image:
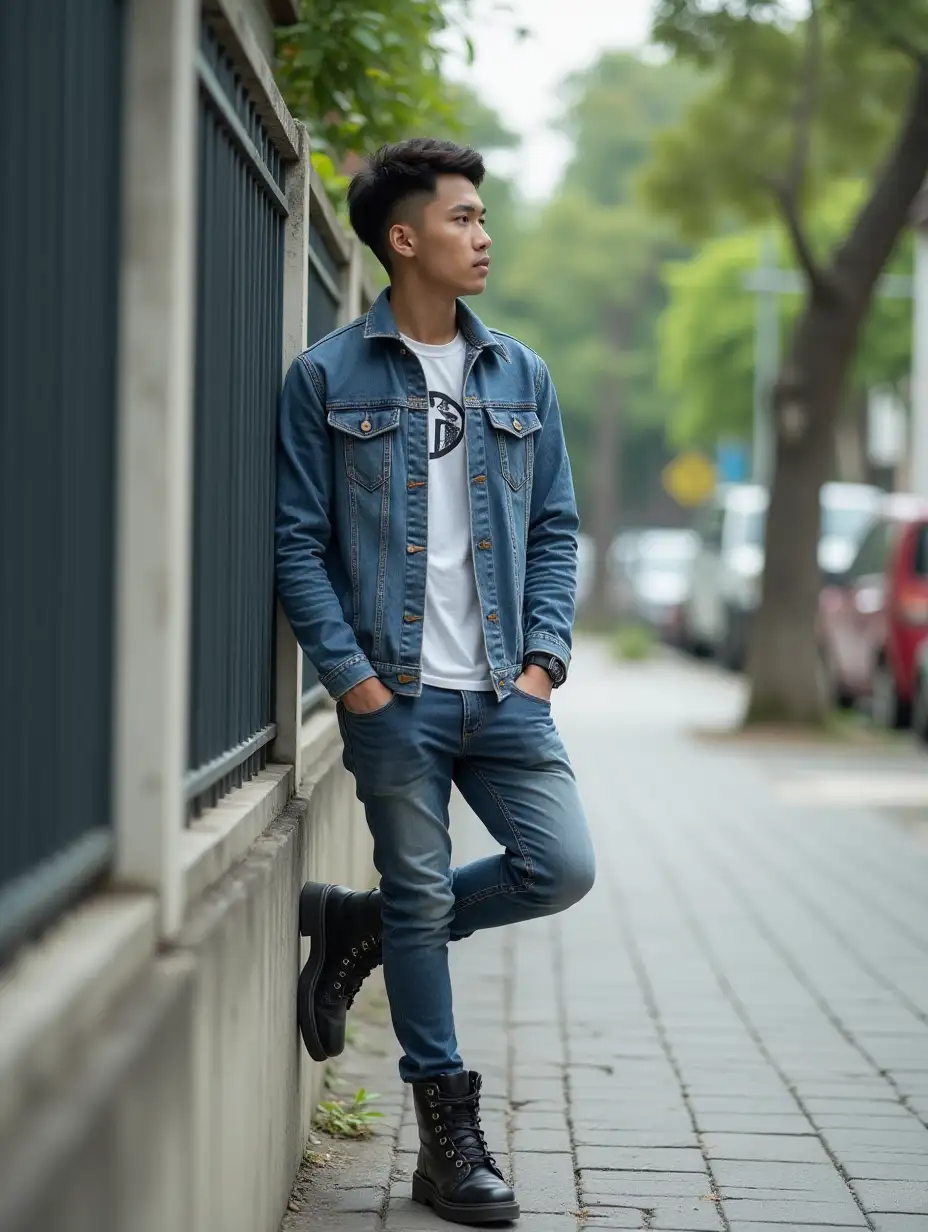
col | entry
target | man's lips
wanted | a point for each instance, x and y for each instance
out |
(484, 265)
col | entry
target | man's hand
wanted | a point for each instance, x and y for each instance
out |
(366, 697)
(536, 681)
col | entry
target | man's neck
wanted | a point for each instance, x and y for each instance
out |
(424, 315)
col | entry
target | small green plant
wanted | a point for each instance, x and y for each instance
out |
(633, 643)
(353, 1119)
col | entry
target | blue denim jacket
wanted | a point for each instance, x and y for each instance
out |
(352, 503)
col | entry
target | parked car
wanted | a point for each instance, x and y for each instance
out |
(920, 693)
(873, 618)
(623, 557)
(660, 579)
(730, 562)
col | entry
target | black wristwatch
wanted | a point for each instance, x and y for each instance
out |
(551, 663)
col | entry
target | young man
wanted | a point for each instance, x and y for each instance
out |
(426, 558)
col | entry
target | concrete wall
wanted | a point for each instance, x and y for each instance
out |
(188, 1107)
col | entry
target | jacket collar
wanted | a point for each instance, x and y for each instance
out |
(380, 324)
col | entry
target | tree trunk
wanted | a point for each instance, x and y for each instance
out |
(607, 449)
(607, 461)
(783, 667)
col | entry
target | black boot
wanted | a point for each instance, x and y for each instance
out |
(456, 1174)
(345, 929)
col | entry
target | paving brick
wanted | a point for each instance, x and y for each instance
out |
(750, 1123)
(765, 1146)
(545, 1184)
(584, 1135)
(687, 1215)
(545, 1140)
(641, 1159)
(794, 1213)
(596, 1186)
(904, 1197)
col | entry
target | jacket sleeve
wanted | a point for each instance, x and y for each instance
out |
(551, 555)
(302, 532)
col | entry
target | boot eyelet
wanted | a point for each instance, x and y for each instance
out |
(434, 1116)
(449, 1154)
(430, 1092)
(459, 1164)
(442, 1141)
(337, 985)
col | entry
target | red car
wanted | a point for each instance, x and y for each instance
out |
(873, 618)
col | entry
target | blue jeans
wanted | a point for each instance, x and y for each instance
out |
(509, 764)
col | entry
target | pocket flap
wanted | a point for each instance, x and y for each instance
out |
(513, 422)
(365, 424)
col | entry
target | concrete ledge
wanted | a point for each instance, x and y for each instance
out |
(57, 991)
(234, 23)
(85, 1158)
(210, 845)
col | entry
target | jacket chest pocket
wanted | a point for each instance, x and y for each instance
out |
(515, 432)
(366, 438)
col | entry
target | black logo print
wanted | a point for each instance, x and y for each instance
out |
(448, 427)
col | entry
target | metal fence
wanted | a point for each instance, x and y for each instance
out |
(328, 277)
(242, 208)
(60, 87)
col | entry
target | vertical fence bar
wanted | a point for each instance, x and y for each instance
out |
(239, 342)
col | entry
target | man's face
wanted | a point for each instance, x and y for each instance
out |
(446, 239)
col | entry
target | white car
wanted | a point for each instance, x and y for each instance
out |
(729, 565)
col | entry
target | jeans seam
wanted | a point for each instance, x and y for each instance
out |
(487, 892)
(516, 834)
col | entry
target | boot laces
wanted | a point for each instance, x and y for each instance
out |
(462, 1123)
(355, 967)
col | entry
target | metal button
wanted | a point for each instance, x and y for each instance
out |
(366, 425)
(517, 425)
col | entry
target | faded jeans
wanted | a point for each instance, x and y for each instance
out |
(509, 764)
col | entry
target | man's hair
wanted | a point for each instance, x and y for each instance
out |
(395, 174)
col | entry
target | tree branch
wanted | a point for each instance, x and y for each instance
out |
(789, 208)
(861, 259)
(787, 192)
(806, 103)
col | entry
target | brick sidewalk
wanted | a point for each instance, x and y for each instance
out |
(731, 1031)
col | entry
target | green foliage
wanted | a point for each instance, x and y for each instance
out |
(580, 278)
(707, 330)
(740, 136)
(633, 643)
(348, 1120)
(365, 72)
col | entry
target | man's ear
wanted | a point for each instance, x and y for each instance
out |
(401, 240)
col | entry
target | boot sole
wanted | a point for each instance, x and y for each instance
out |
(313, 898)
(425, 1193)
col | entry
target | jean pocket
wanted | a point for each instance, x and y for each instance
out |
(544, 702)
(369, 716)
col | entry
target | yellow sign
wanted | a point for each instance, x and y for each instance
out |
(689, 478)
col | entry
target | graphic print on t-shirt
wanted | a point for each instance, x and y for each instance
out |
(448, 425)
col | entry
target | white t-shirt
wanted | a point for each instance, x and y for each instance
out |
(453, 651)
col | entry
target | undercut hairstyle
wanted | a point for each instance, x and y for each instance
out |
(397, 174)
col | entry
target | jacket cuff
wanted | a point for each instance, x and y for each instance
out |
(351, 672)
(547, 643)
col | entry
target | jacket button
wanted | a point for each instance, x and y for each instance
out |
(493, 616)
(517, 425)
(366, 425)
